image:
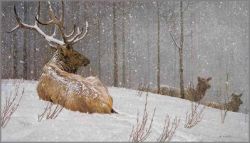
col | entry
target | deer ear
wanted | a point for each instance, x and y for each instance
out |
(61, 50)
(53, 48)
(240, 94)
(209, 78)
(68, 47)
(199, 78)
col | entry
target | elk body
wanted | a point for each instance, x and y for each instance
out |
(232, 105)
(190, 93)
(59, 82)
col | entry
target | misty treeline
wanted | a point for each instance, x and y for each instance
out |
(129, 42)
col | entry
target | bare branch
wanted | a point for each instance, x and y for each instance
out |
(195, 116)
(10, 106)
(174, 41)
(168, 129)
(49, 112)
(139, 132)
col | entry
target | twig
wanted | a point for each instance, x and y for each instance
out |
(168, 129)
(10, 106)
(49, 112)
(139, 132)
(174, 41)
(195, 116)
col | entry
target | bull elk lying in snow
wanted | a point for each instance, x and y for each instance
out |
(232, 105)
(58, 83)
(190, 93)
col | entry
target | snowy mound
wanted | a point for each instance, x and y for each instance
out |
(76, 126)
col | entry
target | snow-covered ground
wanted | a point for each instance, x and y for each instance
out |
(76, 126)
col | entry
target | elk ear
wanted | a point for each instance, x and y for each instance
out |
(61, 50)
(209, 78)
(53, 48)
(240, 94)
(199, 78)
(68, 47)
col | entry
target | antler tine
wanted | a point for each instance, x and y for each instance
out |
(62, 16)
(38, 13)
(13, 29)
(53, 45)
(35, 28)
(54, 33)
(57, 22)
(18, 21)
(86, 31)
(51, 13)
(71, 33)
(76, 35)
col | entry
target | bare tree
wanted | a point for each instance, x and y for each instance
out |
(158, 49)
(115, 72)
(99, 41)
(25, 45)
(223, 112)
(14, 58)
(181, 51)
(123, 46)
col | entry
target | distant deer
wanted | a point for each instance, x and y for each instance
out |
(58, 83)
(232, 105)
(190, 93)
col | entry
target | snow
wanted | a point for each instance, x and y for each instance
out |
(76, 126)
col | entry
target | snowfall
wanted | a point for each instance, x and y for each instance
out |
(75, 126)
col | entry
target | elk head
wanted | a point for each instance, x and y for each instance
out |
(236, 98)
(69, 59)
(203, 83)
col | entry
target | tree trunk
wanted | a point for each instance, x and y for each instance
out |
(181, 52)
(99, 41)
(123, 46)
(158, 48)
(25, 44)
(115, 72)
(14, 53)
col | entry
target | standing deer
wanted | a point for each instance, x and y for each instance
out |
(58, 83)
(190, 93)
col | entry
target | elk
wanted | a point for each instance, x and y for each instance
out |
(59, 82)
(233, 105)
(190, 93)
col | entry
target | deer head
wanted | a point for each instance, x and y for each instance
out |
(203, 83)
(236, 98)
(67, 56)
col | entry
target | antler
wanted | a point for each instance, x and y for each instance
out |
(69, 39)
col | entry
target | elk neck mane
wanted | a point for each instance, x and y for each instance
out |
(60, 61)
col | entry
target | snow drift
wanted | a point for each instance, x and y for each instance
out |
(76, 126)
